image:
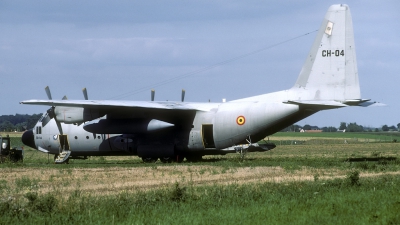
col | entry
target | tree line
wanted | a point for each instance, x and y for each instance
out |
(18, 122)
(347, 127)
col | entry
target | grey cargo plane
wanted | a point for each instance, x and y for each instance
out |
(172, 131)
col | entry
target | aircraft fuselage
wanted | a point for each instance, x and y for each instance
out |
(219, 126)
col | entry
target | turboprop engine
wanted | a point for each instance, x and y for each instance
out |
(125, 126)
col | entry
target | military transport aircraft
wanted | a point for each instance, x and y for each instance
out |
(171, 131)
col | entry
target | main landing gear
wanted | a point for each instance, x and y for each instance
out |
(176, 158)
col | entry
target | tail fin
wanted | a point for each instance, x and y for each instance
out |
(330, 71)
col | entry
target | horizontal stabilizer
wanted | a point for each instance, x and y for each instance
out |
(321, 105)
(362, 103)
(371, 104)
(318, 105)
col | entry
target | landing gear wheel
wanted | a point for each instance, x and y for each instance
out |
(166, 159)
(179, 158)
(149, 159)
(194, 158)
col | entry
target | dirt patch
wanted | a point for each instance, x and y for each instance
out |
(111, 180)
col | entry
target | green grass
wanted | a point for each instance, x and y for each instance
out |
(366, 156)
(347, 135)
(338, 201)
(348, 200)
(323, 138)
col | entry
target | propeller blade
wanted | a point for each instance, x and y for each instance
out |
(58, 126)
(183, 95)
(52, 115)
(85, 95)
(153, 93)
(47, 89)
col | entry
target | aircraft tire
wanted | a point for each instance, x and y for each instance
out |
(149, 159)
(179, 158)
(194, 158)
(166, 159)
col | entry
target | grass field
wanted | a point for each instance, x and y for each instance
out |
(309, 183)
(284, 138)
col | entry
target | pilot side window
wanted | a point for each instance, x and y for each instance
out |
(38, 130)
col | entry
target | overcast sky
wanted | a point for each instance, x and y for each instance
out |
(123, 49)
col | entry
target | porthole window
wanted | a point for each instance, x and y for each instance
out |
(76, 137)
(87, 137)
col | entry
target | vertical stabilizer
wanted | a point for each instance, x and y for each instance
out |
(330, 71)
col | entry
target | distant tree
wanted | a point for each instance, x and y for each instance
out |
(18, 122)
(343, 126)
(292, 128)
(376, 130)
(32, 120)
(307, 127)
(353, 127)
(385, 128)
(392, 128)
(7, 126)
(21, 126)
(329, 129)
(398, 126)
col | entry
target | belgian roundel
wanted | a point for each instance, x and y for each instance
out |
(240, 120)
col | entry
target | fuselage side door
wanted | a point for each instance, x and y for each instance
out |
(207, 135)
(64, 144)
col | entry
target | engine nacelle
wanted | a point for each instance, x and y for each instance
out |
(125, 126)
(70, 115)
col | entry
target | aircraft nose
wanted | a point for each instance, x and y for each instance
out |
(28, 139)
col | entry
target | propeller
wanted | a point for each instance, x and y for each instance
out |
(47, 89)
(85, 95)
(50, 112)
(183, 95)
(153, 93)
(49, 116)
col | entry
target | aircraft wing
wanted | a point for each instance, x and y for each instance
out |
(77, 111)
(110, 104)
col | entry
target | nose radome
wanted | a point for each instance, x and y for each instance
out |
(28, 139)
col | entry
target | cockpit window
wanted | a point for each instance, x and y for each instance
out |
(42, 117)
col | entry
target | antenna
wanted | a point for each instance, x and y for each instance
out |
(183, 95)
(85, 95)
(153, 93)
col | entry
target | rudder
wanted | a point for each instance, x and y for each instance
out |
(330, 71)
